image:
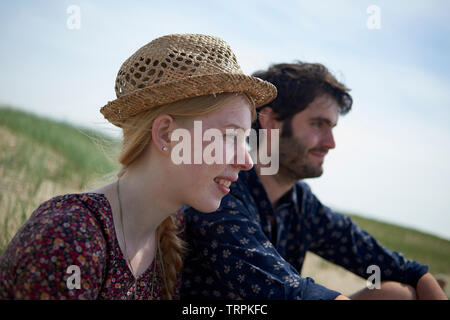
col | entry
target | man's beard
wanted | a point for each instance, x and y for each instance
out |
(294, 163)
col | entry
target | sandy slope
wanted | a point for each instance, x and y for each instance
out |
(339, 279)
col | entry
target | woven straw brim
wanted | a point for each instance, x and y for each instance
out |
(116, 111)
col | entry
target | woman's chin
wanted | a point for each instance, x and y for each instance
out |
(207, 207)
(206, 201)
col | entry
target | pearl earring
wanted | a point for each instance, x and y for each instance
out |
(165, 148)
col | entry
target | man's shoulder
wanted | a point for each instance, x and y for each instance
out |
(308, 202)
(312, 206)
(303, 191)
(303, 185)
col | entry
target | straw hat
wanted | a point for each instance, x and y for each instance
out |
(180, 66)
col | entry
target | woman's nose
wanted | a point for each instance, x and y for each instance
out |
(244, 163)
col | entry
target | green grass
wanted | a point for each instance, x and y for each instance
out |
(79, 147)
(41, 158)
(415, 245)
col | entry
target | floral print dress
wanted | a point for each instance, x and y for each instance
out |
(67, 234)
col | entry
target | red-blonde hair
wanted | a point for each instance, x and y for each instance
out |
(137, 133)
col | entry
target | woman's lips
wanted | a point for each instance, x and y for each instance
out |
(222, 188)
(223, 184)
(222, 181)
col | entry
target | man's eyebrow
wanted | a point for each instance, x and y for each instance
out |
(326, 120)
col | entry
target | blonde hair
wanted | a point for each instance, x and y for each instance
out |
(137, 132)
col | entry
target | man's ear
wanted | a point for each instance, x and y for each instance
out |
(162, 128)
(267, 119)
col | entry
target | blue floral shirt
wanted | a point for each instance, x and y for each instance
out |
(249, 250)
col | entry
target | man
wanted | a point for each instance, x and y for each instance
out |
(254, 245)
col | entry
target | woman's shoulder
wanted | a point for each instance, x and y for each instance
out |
(72, 203)
(90, 208)
(64, 220)
(62, 232)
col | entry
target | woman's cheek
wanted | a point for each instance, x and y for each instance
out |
(229, 152)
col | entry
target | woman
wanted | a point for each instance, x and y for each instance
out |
(120, 241)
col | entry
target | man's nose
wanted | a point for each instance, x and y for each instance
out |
(328, 141)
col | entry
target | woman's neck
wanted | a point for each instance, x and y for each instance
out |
(145, 202)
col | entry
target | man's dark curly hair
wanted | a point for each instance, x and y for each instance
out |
(298, 84)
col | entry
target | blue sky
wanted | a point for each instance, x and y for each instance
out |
(392, 155)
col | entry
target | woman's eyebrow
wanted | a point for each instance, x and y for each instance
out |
(232, 125)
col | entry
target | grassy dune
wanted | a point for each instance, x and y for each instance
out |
(415, 245)
(41, 158)
(425, 248)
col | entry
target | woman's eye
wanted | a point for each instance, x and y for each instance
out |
(230, 136)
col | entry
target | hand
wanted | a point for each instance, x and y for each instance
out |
(429, 289)
(341, 297)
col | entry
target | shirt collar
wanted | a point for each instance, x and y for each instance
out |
(258, 192)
